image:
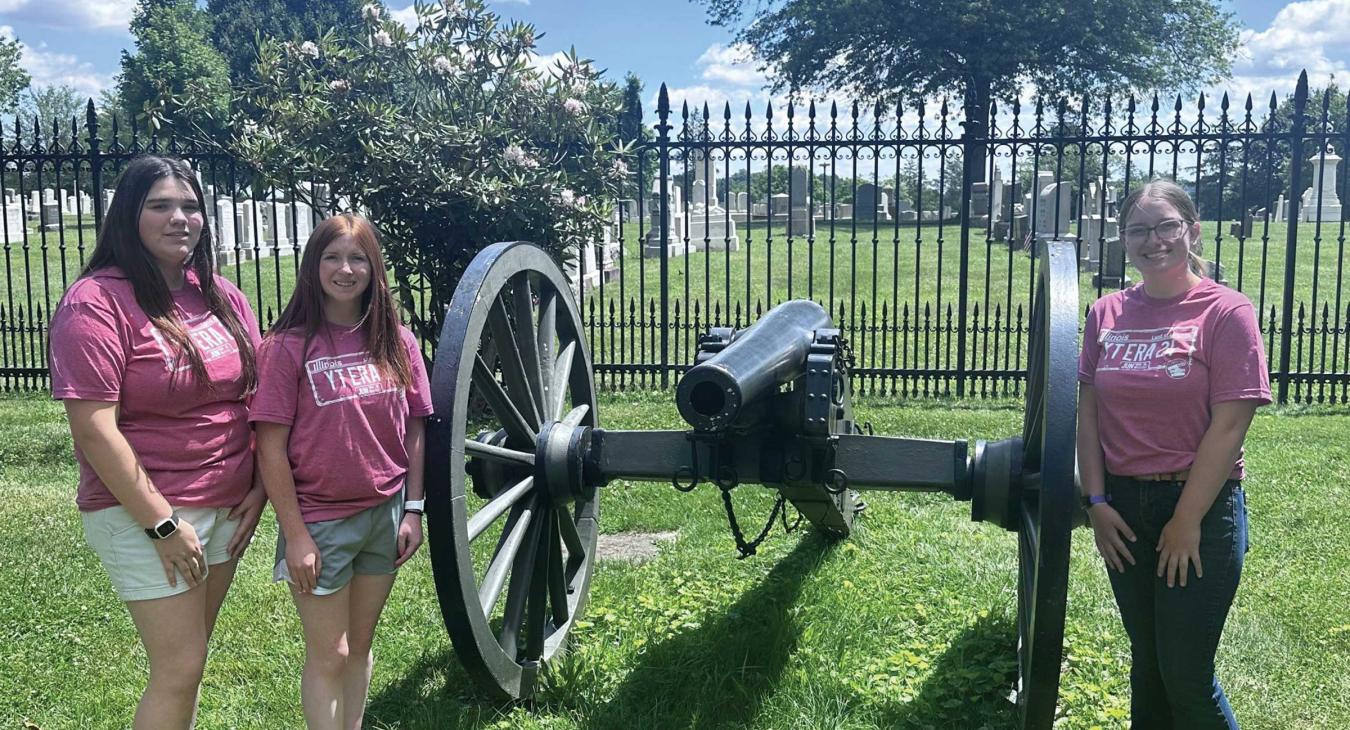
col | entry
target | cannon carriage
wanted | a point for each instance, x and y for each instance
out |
(514, 488)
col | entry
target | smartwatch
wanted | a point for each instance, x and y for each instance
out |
(414, 506)
(164, 528)
(1095, 499)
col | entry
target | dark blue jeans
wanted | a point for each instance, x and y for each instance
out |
(1174, 632)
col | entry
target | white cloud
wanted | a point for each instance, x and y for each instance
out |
(731, 65)
(406, 16)
(80, 15)
(49, 68)
(1297, 39)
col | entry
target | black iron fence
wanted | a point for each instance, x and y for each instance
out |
(915, 228)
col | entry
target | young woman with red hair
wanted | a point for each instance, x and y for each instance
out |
(342, 394)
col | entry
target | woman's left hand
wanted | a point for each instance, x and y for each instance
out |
(1178, 548)
(409, 537)
(247, 512)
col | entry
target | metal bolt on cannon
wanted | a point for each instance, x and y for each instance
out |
(517, 458)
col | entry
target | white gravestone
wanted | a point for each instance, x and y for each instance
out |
(1320, 201)
(13, 223)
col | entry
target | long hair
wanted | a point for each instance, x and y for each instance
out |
(119, 244)
(379, 316)
(1168, 192)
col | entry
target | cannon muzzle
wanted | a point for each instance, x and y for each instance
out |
(712, 394)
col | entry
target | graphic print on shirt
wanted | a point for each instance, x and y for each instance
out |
(1169, 349)
(213, 341)
(345, 377)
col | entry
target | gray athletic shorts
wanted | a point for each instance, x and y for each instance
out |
(364, 543)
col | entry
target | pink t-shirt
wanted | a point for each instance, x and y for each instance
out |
(193, 440)
(1158, 366)
(347, 421)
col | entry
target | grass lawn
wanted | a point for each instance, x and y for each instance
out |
(909, 624)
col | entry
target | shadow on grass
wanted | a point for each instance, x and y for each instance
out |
(968, 686)
(719, 673)
(435, 693)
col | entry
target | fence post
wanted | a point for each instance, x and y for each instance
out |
(663, 150)
(1291, 235)
(971, 129)
(95, 165)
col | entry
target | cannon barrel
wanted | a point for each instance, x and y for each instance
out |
(712, 394)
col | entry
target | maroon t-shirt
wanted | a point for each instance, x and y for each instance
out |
(193, 439)
(347, 420)
(1158, 366)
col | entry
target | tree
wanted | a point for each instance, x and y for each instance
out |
(631, 126)
(979, 49)
(445, 136)
(175, 81)
(58, 102)
(13, 79)
(239, 24)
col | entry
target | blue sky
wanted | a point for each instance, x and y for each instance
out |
(78, 42)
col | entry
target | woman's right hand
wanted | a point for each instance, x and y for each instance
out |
(1110, 531)
(304, 562)
(181, 552)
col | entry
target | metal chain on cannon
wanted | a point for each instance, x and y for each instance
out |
(727, 481)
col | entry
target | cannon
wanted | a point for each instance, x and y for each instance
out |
(517, 459)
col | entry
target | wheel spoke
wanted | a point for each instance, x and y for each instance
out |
(567, 529)
(523, 305)
(538, 602)
(557, 579)
(522, 574)
(574, 416)
(513, 368)
(562, 370)
(491, 588)
(514, 423)
(548, 331)
(497, 453)
(494, 509)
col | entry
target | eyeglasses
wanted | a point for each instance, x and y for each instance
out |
(1167, 230)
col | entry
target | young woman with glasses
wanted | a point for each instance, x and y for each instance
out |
(1171, 373)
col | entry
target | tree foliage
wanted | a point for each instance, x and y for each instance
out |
(239, 24)
(57, 103)
(446, 136)
(175, 80)
(13, 79)
(882, 49)
(631, 126)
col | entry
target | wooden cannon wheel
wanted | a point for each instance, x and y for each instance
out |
(512, 561)
(1043, 516)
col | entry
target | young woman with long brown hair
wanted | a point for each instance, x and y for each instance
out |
(342, 394)
(152, 355)
(1171, 373)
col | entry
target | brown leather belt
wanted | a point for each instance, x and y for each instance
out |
(1171, 476)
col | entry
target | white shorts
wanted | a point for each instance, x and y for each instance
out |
(130, 558)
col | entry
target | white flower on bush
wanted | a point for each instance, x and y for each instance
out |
(341, 86)
(383, 39)
(371, 12)
(442, 65)
(515, 155)
(452, 8)
(574, 107)
(568, 198)
(309, 49)
(620, 168)
(250, 128)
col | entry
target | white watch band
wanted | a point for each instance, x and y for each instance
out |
(414, 504)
